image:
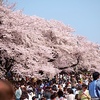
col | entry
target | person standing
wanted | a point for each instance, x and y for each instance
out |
(71, 95)
(61, 95)
(84, 93)
(18, 93)
(94, 86)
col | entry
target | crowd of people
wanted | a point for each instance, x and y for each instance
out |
(61, 87)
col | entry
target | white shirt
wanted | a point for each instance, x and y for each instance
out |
(70, 97)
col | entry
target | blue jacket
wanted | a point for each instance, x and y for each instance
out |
(94, 89)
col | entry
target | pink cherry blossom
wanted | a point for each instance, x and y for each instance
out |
(38, 44)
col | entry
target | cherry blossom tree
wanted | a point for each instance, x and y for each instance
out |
(30, 45)
(0, 2)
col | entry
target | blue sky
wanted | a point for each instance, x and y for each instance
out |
(82, 15)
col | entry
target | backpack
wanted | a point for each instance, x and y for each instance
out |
(98, 88)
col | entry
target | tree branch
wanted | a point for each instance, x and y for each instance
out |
(72, 66)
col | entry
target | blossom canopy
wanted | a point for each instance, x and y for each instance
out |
(30, 44)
